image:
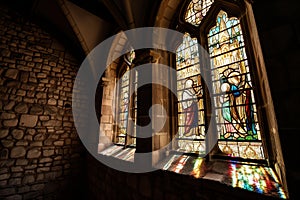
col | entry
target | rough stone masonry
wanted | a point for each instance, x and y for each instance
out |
(39, 148)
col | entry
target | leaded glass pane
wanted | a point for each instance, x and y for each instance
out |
(123, 108)
(196, 10)
(235, 108)
(127, 127)
(191, 123)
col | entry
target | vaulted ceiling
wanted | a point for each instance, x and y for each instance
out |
(75, 21)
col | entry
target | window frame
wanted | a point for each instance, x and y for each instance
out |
(125, 66)
(200, 32)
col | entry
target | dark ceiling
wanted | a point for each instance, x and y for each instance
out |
(121, 14)
(95, 7)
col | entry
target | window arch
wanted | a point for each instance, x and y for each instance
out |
(234, 104)
(236, 113)
(240, 107)
(119, 115)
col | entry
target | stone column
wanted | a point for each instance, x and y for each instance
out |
(147, 96)
(106, 120)
(144, 103)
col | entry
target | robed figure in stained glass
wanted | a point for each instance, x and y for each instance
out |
(237, 110)
(190, 107)
(236, 113)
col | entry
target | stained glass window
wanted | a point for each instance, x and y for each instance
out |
(123, 108)
(196, 10)
(126, 131)
(191, 125)
(235, 108)
(232, 108)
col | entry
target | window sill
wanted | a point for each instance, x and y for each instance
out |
(118, 152)
(244, 177)
(255, 178)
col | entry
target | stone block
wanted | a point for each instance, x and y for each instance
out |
(6, 115)
(45, 160)
(9, 105)
(18, 134)
(23, 142)
(21, 162)
(28, 179)
(59, 143)
(12, 73)
(17, 169)
(36, 144)
(3, 133)
(28, 120)
(34, 153)
(52, 101)
(48, 152)
(42, 75)
(10, 122)
(21, 108)
(43, 169)
(18, 152)
(52, 123)
(4, 176)
(36, 109)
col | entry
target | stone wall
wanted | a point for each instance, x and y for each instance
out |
(40, 149)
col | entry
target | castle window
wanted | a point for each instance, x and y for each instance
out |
(233, 103)
(229, 90)
(125, 131)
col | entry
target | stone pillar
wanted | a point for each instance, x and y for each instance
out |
(144, 103)
(147, 96)
(106, 120)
